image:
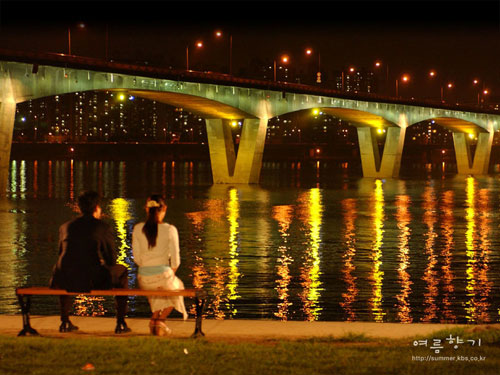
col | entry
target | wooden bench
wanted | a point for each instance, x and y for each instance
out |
(25, 293)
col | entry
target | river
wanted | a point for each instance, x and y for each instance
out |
(310, 242)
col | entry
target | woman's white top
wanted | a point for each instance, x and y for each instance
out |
(166, 252)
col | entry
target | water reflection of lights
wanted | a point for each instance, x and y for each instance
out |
(377, 276)
(446, 254)
(403, 218)
(50, 179)
(89, 306)
(120, 213)
(233, 214)
(484, 285)
(35, 178)
(121, 178)
(13, 178)
(214, 212)
(13, 229)
(198, 270)
(349, 234)
(22, 179)
(71, 181)
(430, 273)
(312, 209)
(283, 215)
(477, 250)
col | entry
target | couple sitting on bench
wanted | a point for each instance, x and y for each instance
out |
(87, 261)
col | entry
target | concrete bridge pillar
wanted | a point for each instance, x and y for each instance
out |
(7, 117)
(228, 166)
(469, 163)
(389, 164)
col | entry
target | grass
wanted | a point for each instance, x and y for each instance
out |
(352, 354)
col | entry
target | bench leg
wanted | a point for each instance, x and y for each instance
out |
(25, 310)
(200, 302)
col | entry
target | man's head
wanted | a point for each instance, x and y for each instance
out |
(89, 203)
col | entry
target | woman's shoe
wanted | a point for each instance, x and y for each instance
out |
(161, 329)
(152, 324)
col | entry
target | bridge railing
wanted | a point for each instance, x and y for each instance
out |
(89, 63)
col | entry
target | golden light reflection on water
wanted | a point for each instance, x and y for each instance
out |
(13, 178)
(50, 188)
(89, 306)
(22, 179)
(120, 213)
(203, 224)
(11, 257)
(349, 238)
(283, 215)
(477, 250)
(447, 230)
(199, 272)
(71, 181)
(484, 284)
(311, 211)
(403, 218)
(377, 275)
(469, 243)
(35, 178)
(430, 274)
(233, 215)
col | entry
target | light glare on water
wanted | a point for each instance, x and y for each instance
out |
(294, 247)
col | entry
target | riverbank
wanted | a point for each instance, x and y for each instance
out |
(292, 152)
(238, 329)
(248, 347)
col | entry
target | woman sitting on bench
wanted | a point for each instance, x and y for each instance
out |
(155, 246)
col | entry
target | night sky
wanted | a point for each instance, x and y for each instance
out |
(459, 40)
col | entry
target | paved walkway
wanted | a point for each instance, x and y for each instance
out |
(231, 329)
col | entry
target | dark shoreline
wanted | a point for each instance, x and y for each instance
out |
(200, 152)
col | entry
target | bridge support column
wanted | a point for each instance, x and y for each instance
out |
(7, 116)
(476, 164)
(389, 165)
(243, 167)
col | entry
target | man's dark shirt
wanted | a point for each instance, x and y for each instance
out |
(86, 249)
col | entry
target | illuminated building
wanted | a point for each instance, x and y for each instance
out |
(105, 116)
(354, 80)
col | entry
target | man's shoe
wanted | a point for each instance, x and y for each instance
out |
(67, 326)
(121, 327)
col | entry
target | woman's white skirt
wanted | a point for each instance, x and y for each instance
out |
(164, 281)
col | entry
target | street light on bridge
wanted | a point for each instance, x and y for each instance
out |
(378, 65)
(285, 59)
(81, 25)
(449, 85)
(198, 44)
(309, 52)
(219, 35)
(405, 78)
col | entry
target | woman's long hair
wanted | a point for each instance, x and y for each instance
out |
(154, 204)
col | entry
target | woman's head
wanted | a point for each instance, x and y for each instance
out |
(156, 209)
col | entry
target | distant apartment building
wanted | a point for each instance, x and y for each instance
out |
(105, 116)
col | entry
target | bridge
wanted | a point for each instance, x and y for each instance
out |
(221, 99)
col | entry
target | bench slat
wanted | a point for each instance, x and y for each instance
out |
(43, 290)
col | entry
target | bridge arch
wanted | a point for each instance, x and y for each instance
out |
(368, 122)
(472, 142)
(220, 100)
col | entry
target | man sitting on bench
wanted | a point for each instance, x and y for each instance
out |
(87, 261)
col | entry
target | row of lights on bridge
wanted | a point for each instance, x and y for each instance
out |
(285, 59)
